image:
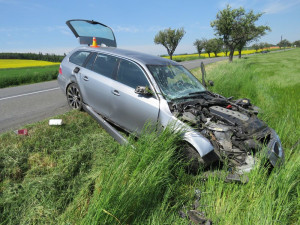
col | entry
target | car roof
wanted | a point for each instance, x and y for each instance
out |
(143, 58)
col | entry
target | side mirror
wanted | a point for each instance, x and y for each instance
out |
(141, 90)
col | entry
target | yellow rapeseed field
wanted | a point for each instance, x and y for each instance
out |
(18, 63)
(244, 52)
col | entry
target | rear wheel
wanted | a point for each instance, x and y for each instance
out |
(74, 97)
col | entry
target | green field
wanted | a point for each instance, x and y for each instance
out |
(77, 174)
(27, 75)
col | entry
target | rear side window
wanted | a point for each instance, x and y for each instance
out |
(105, 65)
(79, 57)
(131, 75)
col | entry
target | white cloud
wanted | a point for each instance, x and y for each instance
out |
(279, 6)
(130, 29)
(18, 30)
(159, 49)
(233, 3)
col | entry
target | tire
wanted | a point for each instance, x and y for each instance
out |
(74, 97)
(191, 158)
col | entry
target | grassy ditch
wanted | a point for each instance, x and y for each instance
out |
(272, 83)
(27, 75)
(77, 174)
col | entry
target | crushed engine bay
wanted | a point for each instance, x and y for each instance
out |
(232, 127)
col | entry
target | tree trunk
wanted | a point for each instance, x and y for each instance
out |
(209, 54)
(240, 53)
(171, 56)
(231, 55)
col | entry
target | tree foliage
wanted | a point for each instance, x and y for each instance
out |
(169, 38)
(213, 45)
(200, 45)
(255, 46)
(33, 56)
(297, 43)
(237, 28)
(284, 43)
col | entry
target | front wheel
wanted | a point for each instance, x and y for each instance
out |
(194, 161)
(74, 97)
(191, 158)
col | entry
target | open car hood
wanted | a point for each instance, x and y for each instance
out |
(85, 30)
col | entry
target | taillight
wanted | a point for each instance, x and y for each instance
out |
(60, 70)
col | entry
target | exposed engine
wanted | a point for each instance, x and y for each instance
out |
(232, 126)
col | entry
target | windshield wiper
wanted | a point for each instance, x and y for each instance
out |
(192, 95)
(199, 92)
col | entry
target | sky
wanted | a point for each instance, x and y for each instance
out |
(39, 25)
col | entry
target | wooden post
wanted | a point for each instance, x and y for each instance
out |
(203, 73)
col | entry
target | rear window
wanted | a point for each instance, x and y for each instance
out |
(79, 57)
(105, 65)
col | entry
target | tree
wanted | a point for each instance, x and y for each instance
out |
(169, 39)
(214, 45)
(256, 47)
(200, 44)
(267, 45)
(236, 28)
(225, 49)
(209, 47)
(297, 43)
(284, 43)
(262, 45)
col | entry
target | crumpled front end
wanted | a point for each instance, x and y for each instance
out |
(232, 127)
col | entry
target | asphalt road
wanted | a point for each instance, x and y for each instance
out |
(31, 103)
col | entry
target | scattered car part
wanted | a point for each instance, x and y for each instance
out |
(55, 122)
(21, 132)
(198, 218)
(109, 128)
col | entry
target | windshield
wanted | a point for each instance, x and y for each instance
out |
(175, 81)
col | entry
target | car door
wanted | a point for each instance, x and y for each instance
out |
(130, 110)
(85, 30)
(96, 82)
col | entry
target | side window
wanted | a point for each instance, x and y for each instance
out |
(105, 65)
(131, 75)
(91, 60)
(79, 57)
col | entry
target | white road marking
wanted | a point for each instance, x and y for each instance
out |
(31, 93)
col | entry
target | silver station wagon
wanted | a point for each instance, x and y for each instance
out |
(128, 89)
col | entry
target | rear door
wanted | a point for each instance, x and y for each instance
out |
(96, 82)
(85, 30)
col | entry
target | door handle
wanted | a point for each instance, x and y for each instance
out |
(115, 92)
(85, 78)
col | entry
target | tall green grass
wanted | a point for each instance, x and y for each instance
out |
(77, 174)
(27, 75)
(272, 83)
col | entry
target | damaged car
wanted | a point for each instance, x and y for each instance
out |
(128, 89)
